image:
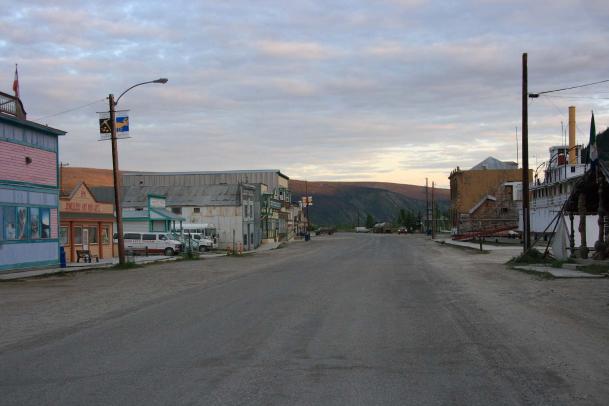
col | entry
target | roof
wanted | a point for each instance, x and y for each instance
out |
(30, 124)
(277, 171)
(494, 163)
(93, 177)
(156, 213)
(208, 195)
(103, 194)
(481, 202)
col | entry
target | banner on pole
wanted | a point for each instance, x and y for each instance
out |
(121, 119)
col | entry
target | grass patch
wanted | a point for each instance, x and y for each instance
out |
(596, 269)
(537, 275)
(190, 256)
(532, 256)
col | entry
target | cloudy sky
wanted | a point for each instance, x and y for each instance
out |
(388, 90)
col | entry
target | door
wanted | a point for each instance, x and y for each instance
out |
(85, 239)
(249, 240)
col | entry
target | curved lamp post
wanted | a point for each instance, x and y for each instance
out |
(115, 171)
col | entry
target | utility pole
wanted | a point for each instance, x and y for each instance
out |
(307, 205)
(115, 176)
(426, 205)
(526, 225)
(433, 223)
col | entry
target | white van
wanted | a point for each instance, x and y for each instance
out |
(204, 234)
(152, 243)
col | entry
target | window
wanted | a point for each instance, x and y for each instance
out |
(132, 236)
(176, 210)
(34, 223)
(92, 235)
(10, 223)
(245, 211)
(162, 237)
(21, 223)
(149, 237)
(77, 235)
(45, 223)
(197, 210)
(63, 235)
(244, 239)
(105, 235)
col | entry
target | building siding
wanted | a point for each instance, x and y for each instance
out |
(41, 171)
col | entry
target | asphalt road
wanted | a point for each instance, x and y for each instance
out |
(343, 320)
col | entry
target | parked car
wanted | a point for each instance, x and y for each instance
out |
(402, 230)
(362, 230)
(151, 243)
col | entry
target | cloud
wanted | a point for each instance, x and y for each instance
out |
(296, 50)
(393, 90)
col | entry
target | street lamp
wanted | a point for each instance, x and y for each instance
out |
(115, 171)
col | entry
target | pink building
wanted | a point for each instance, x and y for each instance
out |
(29, 191)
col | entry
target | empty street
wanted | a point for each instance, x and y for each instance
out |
(348, 319)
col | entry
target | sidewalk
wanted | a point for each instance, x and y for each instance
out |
(476, 246)
(557, 272)
(80, 266)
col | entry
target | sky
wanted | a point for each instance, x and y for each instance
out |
(343, 90)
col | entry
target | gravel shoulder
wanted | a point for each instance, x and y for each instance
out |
(37, 308)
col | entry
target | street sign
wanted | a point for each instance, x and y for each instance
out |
(121, 120)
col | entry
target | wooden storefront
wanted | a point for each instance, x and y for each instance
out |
(86, 224)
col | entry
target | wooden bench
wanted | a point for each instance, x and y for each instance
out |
(86, 256)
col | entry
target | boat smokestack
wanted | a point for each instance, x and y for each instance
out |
(572, 149)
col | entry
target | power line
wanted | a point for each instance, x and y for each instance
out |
(70, 110)
(534, 95)
(577, 97)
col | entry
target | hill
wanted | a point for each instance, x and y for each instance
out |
(339, 203)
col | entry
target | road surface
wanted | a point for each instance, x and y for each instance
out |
(342, 320)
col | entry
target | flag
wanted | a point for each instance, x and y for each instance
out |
(16, 83)
(592, 145)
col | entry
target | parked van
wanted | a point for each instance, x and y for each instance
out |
(204, 234)
(152, 243)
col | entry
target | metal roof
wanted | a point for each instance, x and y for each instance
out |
(208, 195)
(277, 171)
(494, 163)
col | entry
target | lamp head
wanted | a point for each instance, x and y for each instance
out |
(161, 80)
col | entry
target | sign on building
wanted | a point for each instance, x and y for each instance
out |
(121, 119)
(306, 201)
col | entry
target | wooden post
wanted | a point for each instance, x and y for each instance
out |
(526, 219)
(581, 205)
(601, 208)
(572, 234)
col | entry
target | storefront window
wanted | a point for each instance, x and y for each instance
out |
(10, 223)
(92, 235)
(77, 235)
(106, 235)
(21, 223)
(45, 223)
(34, 223)
(1, 223)
(63, 236)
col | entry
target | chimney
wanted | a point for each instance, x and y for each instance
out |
(572, 149)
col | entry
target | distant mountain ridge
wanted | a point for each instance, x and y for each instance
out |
(340, 203)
